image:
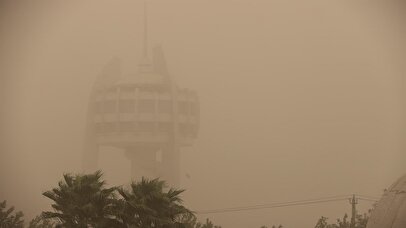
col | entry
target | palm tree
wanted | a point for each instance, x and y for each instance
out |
(209, 224)
(360, 222)
(9, 220)
(40, 222)
(147, 205)
(188, 220)
(82, 201)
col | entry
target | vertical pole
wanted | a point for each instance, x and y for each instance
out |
(170, 166)
(143, 162)
(145, 30)
(170, 171)
(91, 147)
(353, 202)
(90, 155)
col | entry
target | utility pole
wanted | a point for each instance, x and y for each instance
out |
(353, 202)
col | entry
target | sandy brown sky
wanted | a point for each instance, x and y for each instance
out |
(299, 99)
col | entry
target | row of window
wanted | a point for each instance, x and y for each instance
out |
(145, 106)
(147, 89)
(151, 127)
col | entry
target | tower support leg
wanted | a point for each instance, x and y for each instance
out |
(90, 157)
(170, 166)
(143, 163)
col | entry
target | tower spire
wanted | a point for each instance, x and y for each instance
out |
(145, 64)
(145, 30)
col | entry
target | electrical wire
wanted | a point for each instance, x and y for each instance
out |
(368, 197)
(274, 205)
(370, 200)
(286, 204)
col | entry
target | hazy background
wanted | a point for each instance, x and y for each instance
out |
(299, 99)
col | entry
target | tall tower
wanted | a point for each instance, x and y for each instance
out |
(145, 113)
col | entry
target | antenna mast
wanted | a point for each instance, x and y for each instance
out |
(145, 30)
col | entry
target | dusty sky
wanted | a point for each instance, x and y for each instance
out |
(299, 99)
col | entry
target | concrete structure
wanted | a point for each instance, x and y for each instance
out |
(390, 211)
(146, 114)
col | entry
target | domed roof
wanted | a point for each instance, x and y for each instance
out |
(147, 74)
(142, 78)
(390, 211)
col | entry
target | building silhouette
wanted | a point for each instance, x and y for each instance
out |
(145, 113)
(390, 211)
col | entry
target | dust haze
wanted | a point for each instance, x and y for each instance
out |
(298, 99)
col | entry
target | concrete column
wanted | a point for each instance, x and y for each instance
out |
(170, 166)
(90, 147)
(143, 163)
(90, 155)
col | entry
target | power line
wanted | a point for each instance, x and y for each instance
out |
(265, 207)
(282, 204)
(366, 196)
(366, 199)
(277, 203)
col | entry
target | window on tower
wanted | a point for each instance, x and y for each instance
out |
(98, 127)
(194, 108)
(146, 126)
(165, 127)
(126, 106)
(126, 126)
(109, 127)
(98, 107)
(183, 107)
(164, 106)
(109, 107)
(146, 106)
(127, 90)
(185, 129)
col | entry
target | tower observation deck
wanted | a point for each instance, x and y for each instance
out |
(144, 114)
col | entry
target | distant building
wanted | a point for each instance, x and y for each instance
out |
(390, 211)
(146, 114)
